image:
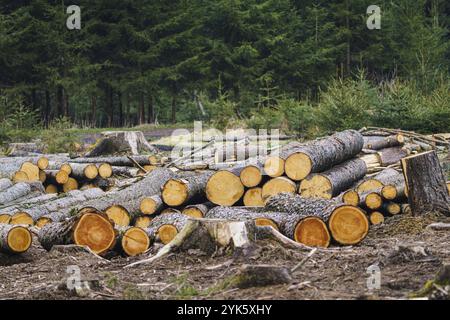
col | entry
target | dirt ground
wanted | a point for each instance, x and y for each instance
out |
(337, 273)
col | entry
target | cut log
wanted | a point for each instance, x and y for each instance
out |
(125, 171)
(133, 241)
(21, 218)
(274, 164)
(278, 185)
(43, 163)
(5, 184)
(70, 185)
(251, 176)
(84, 171)
(42, 176)
(198, 210)
(5, 218)
(385, 177)
(371, 200)
(379, 142)
(91, 229)
(392, 208)
(348, 224)
(121, 142)
(16, 191)
(167, 226)
(253, 198)
(320, 155)
(176, 192)
(20, 176)
(57, 176)
(332, 182)
(117, 161)
(427, 189)
(350, 197)
(120, 215)
(14, 239)
(232, 152)
(262, 218)
(31, 170)
(105, 170)
(376, 217)
(151, 205)
(143, 222)
(224, 188)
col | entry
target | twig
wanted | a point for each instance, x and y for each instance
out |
(301, 263)
(137, 164)
(189, 154)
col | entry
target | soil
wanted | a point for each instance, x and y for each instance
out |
(337, 273)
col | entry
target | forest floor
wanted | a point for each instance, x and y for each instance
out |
(338, 273)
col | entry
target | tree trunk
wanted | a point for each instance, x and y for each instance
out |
(119, 98)
(92, 229)
(14, 239)
(178, 192)
(16, 191)
(60, 101)
(322, 154)
(379, 142)
(5, 184)
(383, 178)
(151, 205)
(198, 210)
(347, 224)
(93, 110)
(47, 108)
(174, 109)
(150, 110)
(167, 226)
(141, 108)
(120, 161)
(332, 182)
(427, 189)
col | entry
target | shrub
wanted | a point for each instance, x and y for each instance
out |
(58, 137)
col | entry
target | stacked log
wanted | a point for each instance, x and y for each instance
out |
(14, 239)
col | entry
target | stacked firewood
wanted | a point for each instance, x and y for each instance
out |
(323, 192)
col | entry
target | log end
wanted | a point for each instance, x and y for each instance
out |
(135, 241)
(316, 186)
(348, 225)
(51, 188)
(389, 192)
(373, 201)
(167, 233)
(312, 232)
(20, 176)
(66, 167)
(91, 171)
(119, 215)
(70, 185)
(174, 192)
(22, 218)
(278, 185)
(274, 166)
(42, 163)
(376, 217)
(148, 206)
(95, 231)
(224, 188)
(369, 185)
(62, 177)
(105, 170)
(5, 218)
(143, 222)
(298, 166)
(19, 239)
(262, 222)
(253, 198)
(351, 197)
(41, 222)
(251, 176)
(193, 212)
(393, 208)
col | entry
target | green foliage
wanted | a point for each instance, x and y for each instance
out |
(221, 111)
(59, 137)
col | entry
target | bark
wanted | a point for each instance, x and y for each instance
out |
(371, 200)
(234, 152)
(120, 142)
(177, 192)
(427, 189)
(117, 161)
(332, 182)
(198, 210)
(83, 171)
(19, 190)
(320, 155)
(176, 220)
(391, 156)
(9, 165)
(386, 177)
(5, 245)
(380, 142)
(5, 184)
(274, 163)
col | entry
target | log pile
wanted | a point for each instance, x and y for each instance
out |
(320, 193)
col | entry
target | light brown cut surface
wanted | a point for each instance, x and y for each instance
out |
(224, 188)
(298, 166)
(389, 192)
(91, 171)
(278, 185)
(274, 166)
(20, 176)
(62, 177)
(42, 222)
(66, 167)
(147, 206)
(167, 232)
(153, 160)
(312, 232)
(394, 208)
(42, 163)
(174, 192)
(253, 198)
(5, 218)
(94, 231)
(251, 176)
(448, 187)
(135, 241)
(348, 225)
(21, 218)
(105, 170)
(351, 197)
(266, 222)
(143, 222)
(19, 239)
(316, 186)
(119, 215)
(31, 170)
(369, 185)
(42, 176)
(374, 201)
(376, 217)
(70, 185)
(193, 212)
